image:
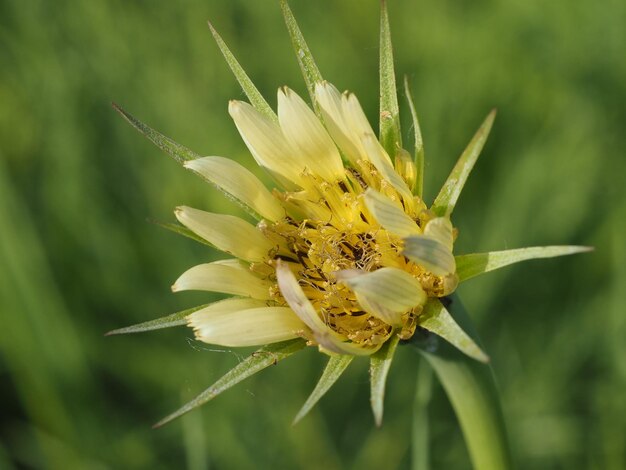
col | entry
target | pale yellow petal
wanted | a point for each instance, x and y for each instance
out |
(227, 233)
(381, 161)
(266, 142)
(306, 133)
(239, 183)
(356, 119)
(433, 255)
(386, 293)
(330, 103)
(433, 249)
(297, 300)
(440, 229)
(226, 278)
(389, 214)
(404, 165)
(243, 322)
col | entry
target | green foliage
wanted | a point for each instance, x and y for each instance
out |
(77, 259)
(380, 363)
(334, 368)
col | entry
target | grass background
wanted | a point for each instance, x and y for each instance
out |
(77, 258)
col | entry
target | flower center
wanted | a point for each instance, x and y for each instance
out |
(328, 230)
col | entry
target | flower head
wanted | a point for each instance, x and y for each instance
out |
(344, 254)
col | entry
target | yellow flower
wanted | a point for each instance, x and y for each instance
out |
(344, 255)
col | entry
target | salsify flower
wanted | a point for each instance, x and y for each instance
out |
(345, 255)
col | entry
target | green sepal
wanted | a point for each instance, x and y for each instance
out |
(436, 319)
(336, 366)
(309, 69)
(380, 362)
(451, 189)
(390, 134)
(418, 189)
(475, 264)
(257, 361)
(178, 152)
(168, 321)
(181, 230)
(251, 91)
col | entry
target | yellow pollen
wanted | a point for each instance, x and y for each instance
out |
(327, 230)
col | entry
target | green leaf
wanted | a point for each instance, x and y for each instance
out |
(437, 319)
(251, 91)
(390, 135)
(335, 367)
(174, 150)
(175, 319)
(257, 361)
(468, 266)
(451, 190)
(472, 390)
(379, 368)
(181, 230)
(310, 72)
(419, 143)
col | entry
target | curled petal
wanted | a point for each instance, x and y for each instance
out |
(297, 300)
(238, 183)
(244, 322)
(227, 233)
(357, 121)
(226, 278)
(305, 132)
(433, 249)
(266, 142)
(386, 293)
(429, 253)
(440, 229)
(329, 100)
(390, 215)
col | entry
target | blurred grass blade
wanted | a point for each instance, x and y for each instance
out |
(195, 439)
(437, 319)
(334, 368)
(175, 319)
(390, 135)
(420, 448)
(379, 368)
(257, 361)
(181, 230)
(173, 149)
(451, 190)
(251, 91)
(310, 72)
(472, 390)
(419, 143)
(469, 266)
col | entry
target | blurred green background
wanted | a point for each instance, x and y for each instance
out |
(77, 257)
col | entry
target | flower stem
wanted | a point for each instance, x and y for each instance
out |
(471, 388)
(420, 458)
